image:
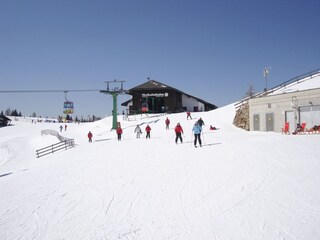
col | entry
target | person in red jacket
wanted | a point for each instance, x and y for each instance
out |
(178, 130)
(119, 132)
(90, 136)
(189, 115)
(167, 123)
(148, 129)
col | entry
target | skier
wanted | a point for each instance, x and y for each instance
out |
(189, 115)
(197, 132)
(178, 130)
(167, 123)
(61, 128)
(90, 136)
(65, 127)
(119, 132)
(201, 122)
(213, 128)
(138, 131)
(148, 129)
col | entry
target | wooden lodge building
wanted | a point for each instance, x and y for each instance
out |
(4, 121)
(156, 97)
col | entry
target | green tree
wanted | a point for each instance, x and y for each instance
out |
(8, 112)
(250, 91)
(14, 113)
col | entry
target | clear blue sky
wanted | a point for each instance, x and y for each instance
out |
(211, 49)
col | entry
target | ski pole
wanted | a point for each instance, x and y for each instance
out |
(204, 141)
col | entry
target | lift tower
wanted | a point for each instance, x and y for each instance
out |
(115, 91)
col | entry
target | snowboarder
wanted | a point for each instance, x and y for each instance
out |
(90, 136)
(178, 130)
(197, 132)
(167, 123)
(138, 131)
(148, 129)
(119, 132)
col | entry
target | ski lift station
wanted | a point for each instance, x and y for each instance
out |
(295, 101)
(156, 97)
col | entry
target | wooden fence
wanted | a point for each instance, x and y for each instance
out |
(63, 145)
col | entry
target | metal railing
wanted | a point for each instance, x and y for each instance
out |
(290, 81)
(63, 145)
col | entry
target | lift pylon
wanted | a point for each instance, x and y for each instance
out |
(115, 91)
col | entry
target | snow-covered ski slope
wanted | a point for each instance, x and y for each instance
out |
(239, 185)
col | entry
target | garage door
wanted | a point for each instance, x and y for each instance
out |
(310, 115)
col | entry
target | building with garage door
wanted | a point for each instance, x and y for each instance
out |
(156, 97)
(295, 101)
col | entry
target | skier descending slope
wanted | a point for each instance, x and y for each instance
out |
(178, 130)
(197, 133)
(148, 130)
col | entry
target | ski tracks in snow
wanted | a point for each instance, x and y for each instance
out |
(248, 195)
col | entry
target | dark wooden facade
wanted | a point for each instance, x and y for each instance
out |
(4, 121)
(156, 97)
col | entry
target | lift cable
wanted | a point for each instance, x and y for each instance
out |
(48, 91)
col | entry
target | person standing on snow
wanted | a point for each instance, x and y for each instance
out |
(201, 122)
(148, 129)
(119, 132)
(167, 123)
(178, 130)
(138, 131)
(90, 136)
(189, 115)
(197, 132)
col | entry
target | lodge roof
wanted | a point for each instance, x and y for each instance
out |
(3, 117)
(153, 85)
(156, 85)
(4, 121)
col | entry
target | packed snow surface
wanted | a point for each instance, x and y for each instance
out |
(238, 185)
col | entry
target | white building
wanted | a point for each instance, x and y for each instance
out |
(295, 101)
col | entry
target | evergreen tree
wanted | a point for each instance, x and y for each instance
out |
(250, 91)
(14, 113)
(8, 112)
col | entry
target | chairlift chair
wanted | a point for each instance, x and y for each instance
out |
(68, 105)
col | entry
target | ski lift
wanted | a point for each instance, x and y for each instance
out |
(68, 105)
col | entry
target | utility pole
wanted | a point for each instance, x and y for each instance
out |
(266, 72)
(115, 91)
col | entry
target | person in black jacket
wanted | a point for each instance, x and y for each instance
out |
(201, 122)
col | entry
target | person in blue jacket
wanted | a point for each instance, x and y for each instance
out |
(197, 134)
